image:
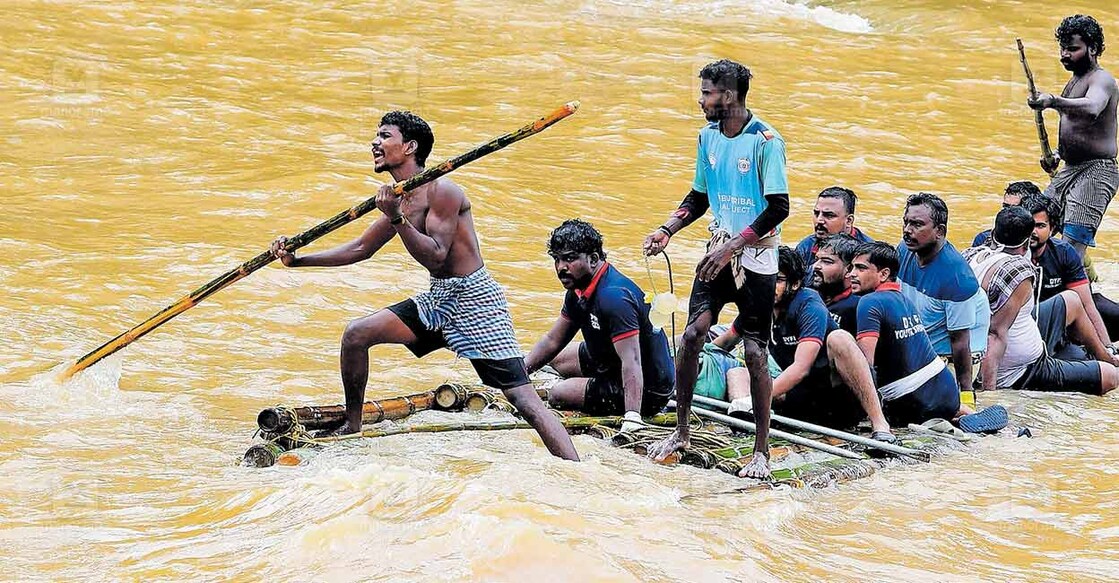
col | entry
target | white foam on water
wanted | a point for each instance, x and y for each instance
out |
(764, 9)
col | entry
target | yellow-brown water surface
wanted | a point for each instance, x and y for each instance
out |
(149, 146)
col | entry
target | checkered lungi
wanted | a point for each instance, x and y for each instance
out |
(473, 315)
(1085, 190)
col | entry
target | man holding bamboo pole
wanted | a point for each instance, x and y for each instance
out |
(465, 309)
(1089, 178)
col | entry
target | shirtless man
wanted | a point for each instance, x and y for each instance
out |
(465, 309)
(1089, 178)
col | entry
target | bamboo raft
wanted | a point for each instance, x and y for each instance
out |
(286, 436)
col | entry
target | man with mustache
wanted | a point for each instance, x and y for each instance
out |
(939, 283)
(740, 176)
(1089, 178)
(1012, 196)
(465, 309)
(834, 213)
(829, 278)
(623, 365)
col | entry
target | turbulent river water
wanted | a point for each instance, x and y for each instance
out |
(149, 146)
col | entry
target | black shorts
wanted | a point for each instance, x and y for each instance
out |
(754, 301)
(1050, 373)
(605, 395)
(507, 373)
(821, 399)
(938, 398)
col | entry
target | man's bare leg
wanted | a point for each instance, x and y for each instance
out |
(761, 393)
(569, 393)
(1082, 330)
(551, 431)
(567, 362)
(687, 371)
(738, 384)
(848, 360)
(383, 327)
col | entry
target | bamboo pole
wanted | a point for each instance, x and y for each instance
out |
(1049, 162)
(789, 437)
(306, 237)
(283, 419)
(821, 430)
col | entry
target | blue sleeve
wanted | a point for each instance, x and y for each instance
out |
(981, 238)
(869, 316)
(774, 180)
(961, 315)
(621, 311)
(699, 184)
(812, 321)
(1072, 267)
(804, 249)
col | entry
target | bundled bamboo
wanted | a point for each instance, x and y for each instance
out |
(281, 420)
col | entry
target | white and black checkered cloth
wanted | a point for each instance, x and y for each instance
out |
(1007, 272)
(473, 315)
(1085, 190)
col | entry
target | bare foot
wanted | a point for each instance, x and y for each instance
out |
(343, 429)
(757, 468)
(678, 441)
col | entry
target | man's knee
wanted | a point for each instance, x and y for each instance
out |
(696, 332)
(1109, 377)
(359, 333)
(1073, 305)
(840, 342)
(753, 352)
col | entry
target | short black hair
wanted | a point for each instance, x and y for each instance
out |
(842, 244)
(729, 75)
(847, 195)
(936, 204)
(1089, 30)
(791, 264)
(1050, 206)
(1013, 226)
(882, 255)
(412, 127)
(575, 236)
(1022, 188)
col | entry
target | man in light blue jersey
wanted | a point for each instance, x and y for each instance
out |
(941, 285)
(740, 176)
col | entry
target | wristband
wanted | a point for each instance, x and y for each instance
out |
(397, 220)
(664, 230)
(749, 235)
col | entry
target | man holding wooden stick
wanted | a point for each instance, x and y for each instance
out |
(1089, 178)
(465, 309)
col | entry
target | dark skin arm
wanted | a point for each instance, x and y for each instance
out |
(633, 381)
(1091, 105)
(961, 357)
(369, 242)
(430, 249)
(997, 333)
(553, 342)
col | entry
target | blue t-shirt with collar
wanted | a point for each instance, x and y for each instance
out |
(947, 297)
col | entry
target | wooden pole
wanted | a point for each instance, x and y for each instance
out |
(302, 239)
(1049, 162)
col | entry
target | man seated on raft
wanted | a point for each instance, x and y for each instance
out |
(1021, 350)
(829, 278)
(833, 214)
(1060, 266)
(914, 383)
(623, 365)
(823, 376)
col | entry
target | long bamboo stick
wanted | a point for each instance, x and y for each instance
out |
(281, 419)
(1049, 162)
(820, 429)
(789, 437)
(302, 239)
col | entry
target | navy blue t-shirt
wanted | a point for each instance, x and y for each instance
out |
(903, 346)
(843, 311)
(1061, 266)
(806, 320)
(613, 308)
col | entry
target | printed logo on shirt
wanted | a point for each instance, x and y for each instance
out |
(743, 165)
(1053, 282)
(910, 326)
(594, 322)
(711, 160)
(789, 340)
